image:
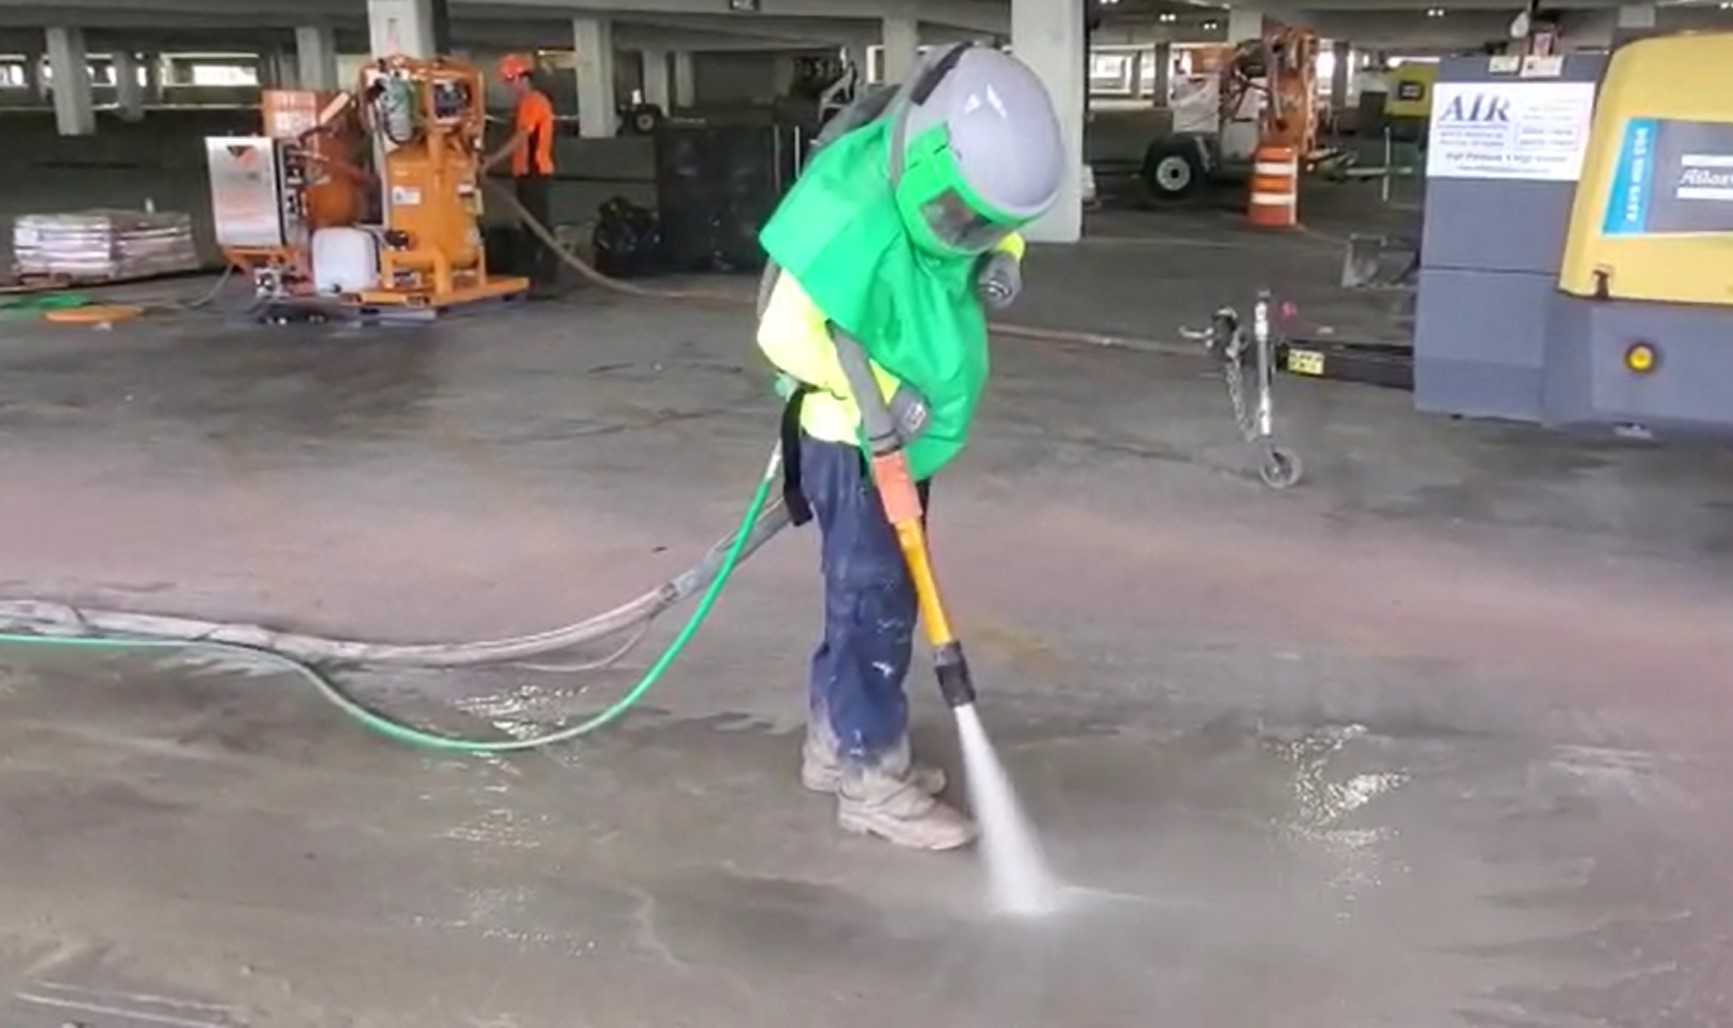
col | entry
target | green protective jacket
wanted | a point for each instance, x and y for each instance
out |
(916, 314)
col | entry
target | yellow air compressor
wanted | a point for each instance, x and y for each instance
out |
(1644, 330)
(1408, 97)
(1576, 268)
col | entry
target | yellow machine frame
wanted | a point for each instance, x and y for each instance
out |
(1681, 79)
(1409, 90)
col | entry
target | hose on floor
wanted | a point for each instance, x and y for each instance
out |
(721, 299)
(52, 618)
(47, 625)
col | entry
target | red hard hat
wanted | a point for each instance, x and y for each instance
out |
(515, 66)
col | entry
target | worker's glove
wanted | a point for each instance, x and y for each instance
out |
(998, 279)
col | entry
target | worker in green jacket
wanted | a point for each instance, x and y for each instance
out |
(899, 232)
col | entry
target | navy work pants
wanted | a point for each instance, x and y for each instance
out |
(869, 606)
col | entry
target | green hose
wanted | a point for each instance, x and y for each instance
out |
(399, 732)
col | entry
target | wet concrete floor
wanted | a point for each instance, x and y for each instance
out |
(1438, 738)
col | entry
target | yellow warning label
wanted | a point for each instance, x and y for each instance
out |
(1305, 362)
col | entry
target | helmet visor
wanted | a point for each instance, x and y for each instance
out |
(958, 226)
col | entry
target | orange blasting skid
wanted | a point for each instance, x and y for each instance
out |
(305, 178)
(334, 191)
(427, 117)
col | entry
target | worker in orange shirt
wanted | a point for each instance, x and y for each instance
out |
(531, 151)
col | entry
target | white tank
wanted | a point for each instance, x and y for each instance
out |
(345, 260)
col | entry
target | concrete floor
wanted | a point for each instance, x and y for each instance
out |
(1438, 739)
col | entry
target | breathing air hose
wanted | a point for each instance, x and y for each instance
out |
(711, 297)
(756, 526)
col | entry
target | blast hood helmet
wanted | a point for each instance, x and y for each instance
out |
(976, 151)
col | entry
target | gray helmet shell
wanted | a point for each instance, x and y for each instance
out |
(1003, 131)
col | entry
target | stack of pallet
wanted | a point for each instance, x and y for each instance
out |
(103, 245)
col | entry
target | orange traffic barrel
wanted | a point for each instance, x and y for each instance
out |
(1275, 199)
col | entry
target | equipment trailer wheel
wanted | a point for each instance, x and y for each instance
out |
(1172, 169)
(1281, 469)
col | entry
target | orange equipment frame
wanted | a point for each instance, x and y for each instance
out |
(433, 254)
(1283, 67)
(334, 190)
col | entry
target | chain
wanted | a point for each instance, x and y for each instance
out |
(1233, 371)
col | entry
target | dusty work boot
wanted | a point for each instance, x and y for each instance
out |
(821, 764)
(893, 807)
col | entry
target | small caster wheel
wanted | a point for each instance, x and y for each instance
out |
(1281, 469)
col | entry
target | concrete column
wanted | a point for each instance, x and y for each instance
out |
(1343, 53)
(289, 67)
(658, 89)
(593, 46)
(1244, 24)
(1637, 16)
(783, 71)
(1048, 35)
(858, 54)
(401, 27)
(153, 93)
(1634, 22)
(273, 73)
(1161, 73)
(685, 79)
(128, 90)
(439, 16)
(74, 112)
(316, 57)
(34, 80)
(902, 39)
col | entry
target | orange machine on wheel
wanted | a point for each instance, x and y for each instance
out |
(371, 199)
(1278, 75)
(1266, 126)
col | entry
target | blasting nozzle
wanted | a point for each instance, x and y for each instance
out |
(955, 683)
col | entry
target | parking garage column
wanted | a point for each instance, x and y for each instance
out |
(34, 80)
(784, 72)
(593, 57)
(403, 27)
(153, 69)
(1635, 21)
(858, 54)
(74, 112)
(128, 85)
(1049, 36)
(316, 57)
(1244, 23)
(657, 89)
(274, 72)
(685, 79)
(902, 40)
(1342, 54)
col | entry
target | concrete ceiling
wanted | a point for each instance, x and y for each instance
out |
(779, 24)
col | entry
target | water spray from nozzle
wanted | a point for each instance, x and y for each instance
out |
(1018, 879)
